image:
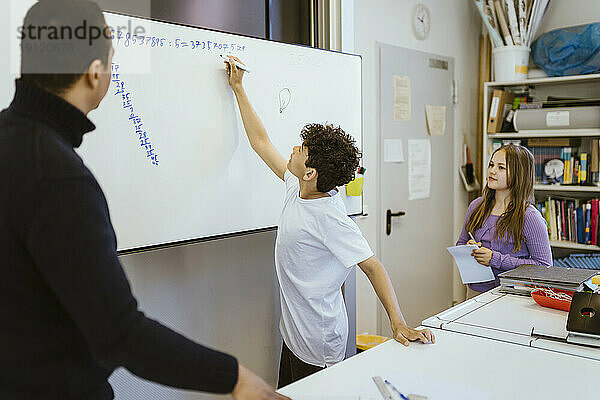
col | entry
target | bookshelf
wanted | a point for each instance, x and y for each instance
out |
(546, 133)
(566, 188)
(578, 86)
(564, 244)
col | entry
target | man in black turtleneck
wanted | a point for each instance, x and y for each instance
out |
(67, 314)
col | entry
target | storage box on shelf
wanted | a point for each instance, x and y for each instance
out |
(579, 141)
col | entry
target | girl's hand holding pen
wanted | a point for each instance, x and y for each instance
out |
(482, 255)
(471, 242)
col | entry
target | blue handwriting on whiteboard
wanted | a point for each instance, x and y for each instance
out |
(126, 39)
(135, 119)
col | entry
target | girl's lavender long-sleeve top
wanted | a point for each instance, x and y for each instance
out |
(534, 250)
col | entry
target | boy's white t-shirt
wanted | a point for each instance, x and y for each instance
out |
(317, 245)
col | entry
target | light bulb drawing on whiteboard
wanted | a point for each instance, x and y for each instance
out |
(285, 96)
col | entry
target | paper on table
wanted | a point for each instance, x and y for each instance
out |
(436, 119)
(393, 150)
(421, 385)
(470, 270)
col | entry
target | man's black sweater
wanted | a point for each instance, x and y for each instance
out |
(67, 314)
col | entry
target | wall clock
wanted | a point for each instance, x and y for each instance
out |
(421, 21)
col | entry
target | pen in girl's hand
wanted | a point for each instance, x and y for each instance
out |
(472, 238)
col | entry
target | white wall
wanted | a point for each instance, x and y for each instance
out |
(454, 32)
(562, 13)
(221, 293)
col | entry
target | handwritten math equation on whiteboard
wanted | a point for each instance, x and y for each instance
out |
(136, 119)
(126, 39)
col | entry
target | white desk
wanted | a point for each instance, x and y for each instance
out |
(458, 366)
(513, 319)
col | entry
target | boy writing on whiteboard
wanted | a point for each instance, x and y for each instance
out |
(317, 244)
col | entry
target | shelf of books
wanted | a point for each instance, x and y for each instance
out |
(558, 119)
(564, 244)
(546, 133)
(572, 223)
(565, 188)
(565, 80)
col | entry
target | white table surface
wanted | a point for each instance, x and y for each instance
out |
(457, 366)
(511, 318)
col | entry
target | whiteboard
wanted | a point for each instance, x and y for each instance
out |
(180, 168)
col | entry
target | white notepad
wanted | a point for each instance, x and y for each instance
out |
(470, 270)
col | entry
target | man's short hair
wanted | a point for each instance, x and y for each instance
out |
(59, 41)
(332, 152)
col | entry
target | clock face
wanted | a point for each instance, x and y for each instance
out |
(421, 21)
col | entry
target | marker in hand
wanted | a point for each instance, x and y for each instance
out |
(238, 64)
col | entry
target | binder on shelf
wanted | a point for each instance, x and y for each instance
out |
(501, 104)
(587, 117)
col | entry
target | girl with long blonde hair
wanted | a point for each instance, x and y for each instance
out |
(506, 226)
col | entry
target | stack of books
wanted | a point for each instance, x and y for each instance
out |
(525, 278)
(581, 261)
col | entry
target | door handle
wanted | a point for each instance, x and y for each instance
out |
(388, 220)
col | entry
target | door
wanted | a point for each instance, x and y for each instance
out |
(414, 252)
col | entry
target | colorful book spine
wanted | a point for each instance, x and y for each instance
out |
(594, 162)
(594, 222)
(580, 226)
(583, 167)
(563, 220)
(588, 218)
(554, 229)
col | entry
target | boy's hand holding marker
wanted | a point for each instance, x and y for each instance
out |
(235, 74)
(482, 255)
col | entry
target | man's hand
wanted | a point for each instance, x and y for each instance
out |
(235, 74)
(405, 334)
(251, 387)
(482, 255)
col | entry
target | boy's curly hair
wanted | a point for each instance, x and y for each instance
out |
(332, 152)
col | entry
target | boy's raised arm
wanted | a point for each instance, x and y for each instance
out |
(257, 135)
